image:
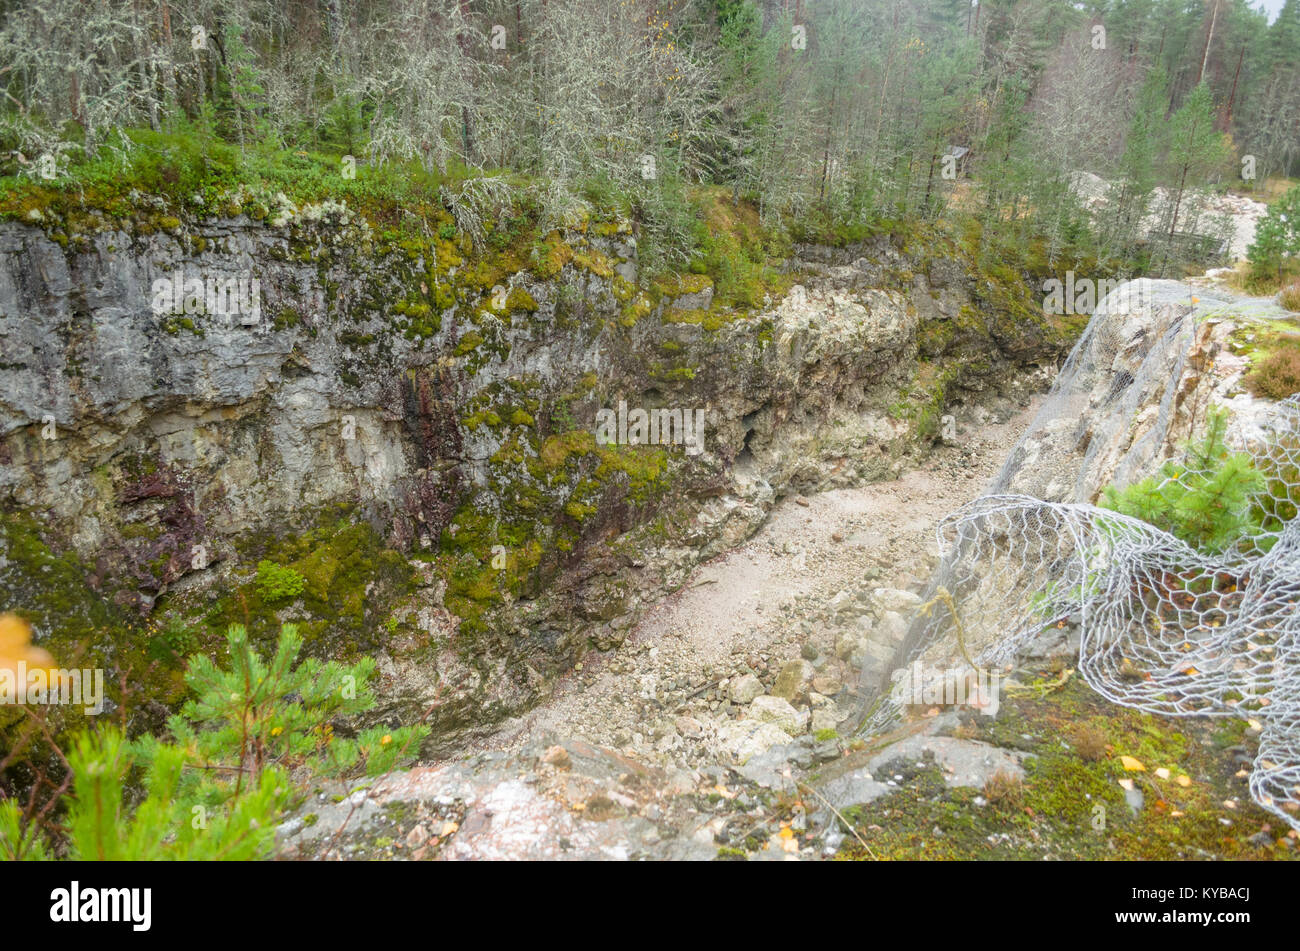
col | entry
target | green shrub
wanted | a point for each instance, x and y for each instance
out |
(1205, 499)
(1277, 236)
(104, 823)
(278, 582)
(217, 788)
(258, 713)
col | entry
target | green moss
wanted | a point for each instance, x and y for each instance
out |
(578, 510)
(349, 580)
(468, 343)
(175, 325)
(278, 583)
(1070, 806)
(635, 308)
(559, 449)
(483, 418)
(594, 261)
(287, 319)
(520, 299)
(672, 374)
(549, 256)
(79, 622)
(924, 399)
(713, 319)
(138, 530)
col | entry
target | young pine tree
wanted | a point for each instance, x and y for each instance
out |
(1206, 499)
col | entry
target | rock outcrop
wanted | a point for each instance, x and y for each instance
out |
(1156, 357)
(374, 393)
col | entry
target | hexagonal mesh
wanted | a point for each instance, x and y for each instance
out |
(1163, 627)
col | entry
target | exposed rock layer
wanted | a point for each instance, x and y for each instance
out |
(454, 412)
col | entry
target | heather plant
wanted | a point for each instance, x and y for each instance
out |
(1276, 375)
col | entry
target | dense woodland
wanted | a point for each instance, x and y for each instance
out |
(839, 112)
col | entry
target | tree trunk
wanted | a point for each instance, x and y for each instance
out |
(1209, 38)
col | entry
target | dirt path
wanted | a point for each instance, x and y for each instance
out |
(752, 608)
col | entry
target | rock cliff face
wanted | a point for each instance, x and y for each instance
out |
(413, 428)
(1156, 357)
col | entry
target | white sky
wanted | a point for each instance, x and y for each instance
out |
(1273, 7)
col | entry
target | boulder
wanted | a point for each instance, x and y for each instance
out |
(779, 711)
(744, 689)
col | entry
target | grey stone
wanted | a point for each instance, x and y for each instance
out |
(744, 689)
(791, 680)
(896, 599)
(779, 711)
(853, 789)
(741, 739)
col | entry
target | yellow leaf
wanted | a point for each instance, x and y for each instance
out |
(1131, 764)
(1184, 781)
(16, 645)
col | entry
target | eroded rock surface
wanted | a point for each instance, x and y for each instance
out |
(448, 405)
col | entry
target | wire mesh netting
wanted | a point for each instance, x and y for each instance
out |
(1131, 390)
(1164, 627)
